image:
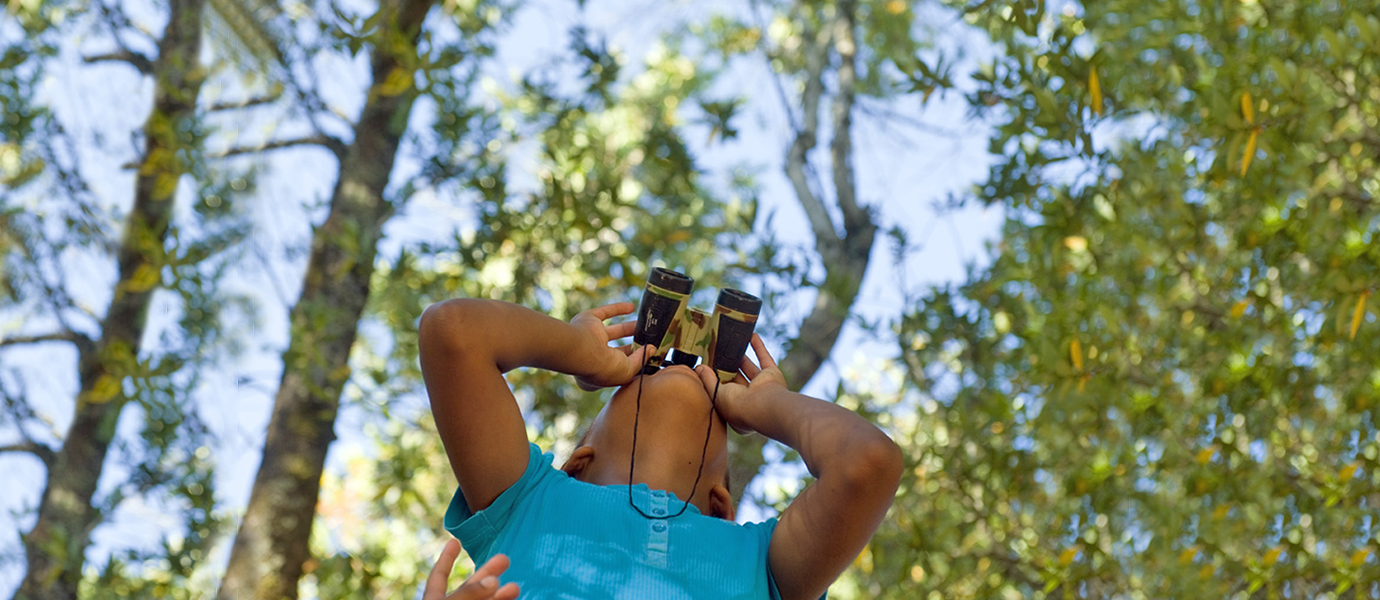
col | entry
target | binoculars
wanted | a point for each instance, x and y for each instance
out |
(665, 320)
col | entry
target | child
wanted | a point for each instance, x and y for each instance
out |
(583, 531)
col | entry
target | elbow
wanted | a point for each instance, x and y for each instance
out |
(441, 326)
(877, 466)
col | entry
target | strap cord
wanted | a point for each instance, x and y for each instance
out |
(632, 458)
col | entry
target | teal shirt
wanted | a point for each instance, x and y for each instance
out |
(569, 539)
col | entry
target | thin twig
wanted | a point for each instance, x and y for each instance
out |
(19, 411)
(56, 336)
(336, 146)
(143, 63)
(261, 100)
(43, 453)
(871, 108)
(791, 119)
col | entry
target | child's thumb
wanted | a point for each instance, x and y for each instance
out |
(639, 357)
(709, 378)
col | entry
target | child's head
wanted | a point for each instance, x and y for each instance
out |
(676, 408)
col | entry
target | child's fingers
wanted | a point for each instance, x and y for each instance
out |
(475, 589)
(751, 371)
(636, 350)
(609, 311)
(621, 330)
(707, 376)
(637, 357)
(483, 583)
(437, 581)
(710, 378)
(509, 591)
(493, 568)
(760, 349)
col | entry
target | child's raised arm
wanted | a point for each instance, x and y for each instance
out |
(856, 466)
(467, 344)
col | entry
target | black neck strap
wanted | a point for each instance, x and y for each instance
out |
(632, 458)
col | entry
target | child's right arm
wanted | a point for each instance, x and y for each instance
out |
(467, 344)
(856, 466)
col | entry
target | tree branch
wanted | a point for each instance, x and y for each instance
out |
(261, 100)
(143, 63)
(336, 146)
(56, 336)
(841, 149)
(885, 113)
(825, 234)
(775, 79)
(43, 453)
(845, 257)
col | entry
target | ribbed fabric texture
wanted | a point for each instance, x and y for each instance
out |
(572, 540)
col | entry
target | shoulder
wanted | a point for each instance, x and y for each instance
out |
(539, 472)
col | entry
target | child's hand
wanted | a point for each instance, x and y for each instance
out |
(750, 380)
(482, 585)
(606, 366)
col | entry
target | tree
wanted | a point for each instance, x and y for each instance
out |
(612, 161)
(1164, 385)
(120, 360)
(271, 546)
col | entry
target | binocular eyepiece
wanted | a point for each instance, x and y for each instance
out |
(665, 320)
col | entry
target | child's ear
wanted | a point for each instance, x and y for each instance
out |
(721, 503)
(578, 461)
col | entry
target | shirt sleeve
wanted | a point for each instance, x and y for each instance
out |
(477, 531)
(764, 531)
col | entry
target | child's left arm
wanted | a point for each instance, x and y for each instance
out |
(857, 469)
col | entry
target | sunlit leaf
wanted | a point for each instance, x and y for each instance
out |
(1095, 88)
(1359, 557)
(1249, 154)
(1359, 313)
(1188, 555)
(1239, 308)
(1066, 557)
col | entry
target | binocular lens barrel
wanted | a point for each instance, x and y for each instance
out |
(737, 318)
(665, 321)
(663, 300)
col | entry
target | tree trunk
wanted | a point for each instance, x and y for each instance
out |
(845, 256)
(272, 544)
(56, 547)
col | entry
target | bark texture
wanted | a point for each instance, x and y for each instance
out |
(56, 546)
(845, 254)
(271, 546)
